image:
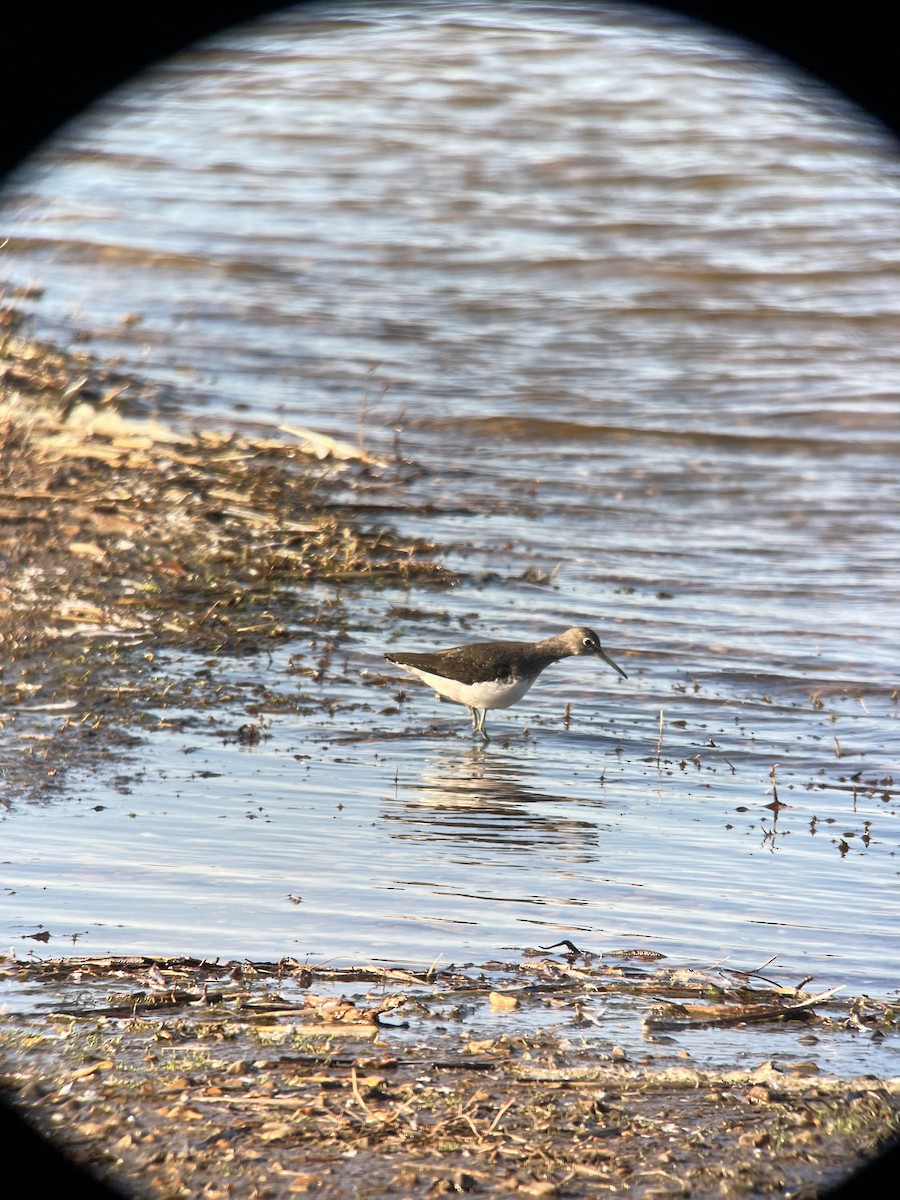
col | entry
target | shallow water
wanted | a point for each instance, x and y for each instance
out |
(632, 290)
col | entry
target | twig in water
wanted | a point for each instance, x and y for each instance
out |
(354, 1083)
(761, 967)
(570, 946)
(659, 743)
(430, 973)
(501, 1112)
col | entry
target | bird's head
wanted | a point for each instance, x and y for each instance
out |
(585, 641)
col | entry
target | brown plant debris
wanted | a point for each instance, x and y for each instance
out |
(126, 542)
(177, 1077)
(114, 527)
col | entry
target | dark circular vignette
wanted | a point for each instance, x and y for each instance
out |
(58, 63)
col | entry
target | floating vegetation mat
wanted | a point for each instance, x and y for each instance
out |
(178, 1077)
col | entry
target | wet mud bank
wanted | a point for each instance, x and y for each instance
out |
(122, 537)
(178, 1077)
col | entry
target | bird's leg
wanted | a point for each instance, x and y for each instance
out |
(478, 726)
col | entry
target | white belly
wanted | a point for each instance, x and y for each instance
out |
(476, 695)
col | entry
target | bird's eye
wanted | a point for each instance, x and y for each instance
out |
(588, 641)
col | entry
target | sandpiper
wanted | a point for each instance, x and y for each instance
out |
(487, 675)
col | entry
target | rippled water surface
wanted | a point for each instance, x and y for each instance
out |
(629, 293)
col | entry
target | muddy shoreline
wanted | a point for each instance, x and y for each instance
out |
(122, 537)
(178, 1077)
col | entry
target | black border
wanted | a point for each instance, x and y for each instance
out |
(57, 58)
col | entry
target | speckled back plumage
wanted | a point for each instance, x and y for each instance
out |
(479, 661)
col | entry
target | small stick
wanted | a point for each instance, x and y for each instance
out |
(354, 1083)
(659, 743)
(570, 946)
(501, 1113)
(432, 970)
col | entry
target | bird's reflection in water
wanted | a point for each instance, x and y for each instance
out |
(482, 799)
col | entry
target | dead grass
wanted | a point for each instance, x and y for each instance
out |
(125, 527)
(195, 1078)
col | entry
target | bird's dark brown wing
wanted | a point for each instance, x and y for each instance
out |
(477, 662)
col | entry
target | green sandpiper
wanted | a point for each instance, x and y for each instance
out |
(485, 675)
